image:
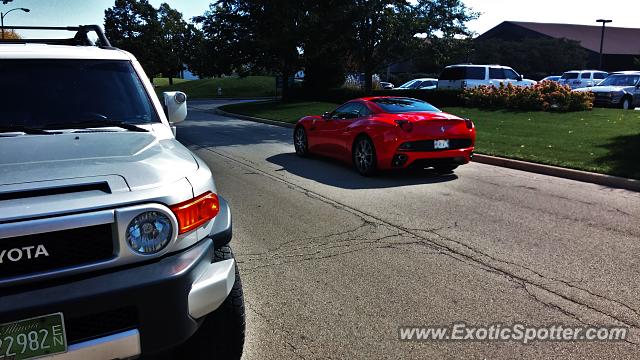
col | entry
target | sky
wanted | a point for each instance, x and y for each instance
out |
(624, 13)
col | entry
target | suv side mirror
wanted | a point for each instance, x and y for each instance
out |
(520, 77)
(326, 115)
(175, 106)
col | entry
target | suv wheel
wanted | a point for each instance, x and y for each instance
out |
(221, 335)
(626, 103)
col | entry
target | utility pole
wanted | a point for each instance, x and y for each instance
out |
(604, 22)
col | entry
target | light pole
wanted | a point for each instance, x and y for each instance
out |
(604, 22)
(3, 14)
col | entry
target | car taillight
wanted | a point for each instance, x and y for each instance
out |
(469, 123)
(195, 212)
(405, 125)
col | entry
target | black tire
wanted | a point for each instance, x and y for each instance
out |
(445, 168)
(627, 103)
(221, 335)
(300, 142)
(364, 156)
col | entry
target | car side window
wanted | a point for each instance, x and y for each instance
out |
(599, 75)
(585, 75)
(347, 111)
(475, 73)
(510, 74)
(496, 73)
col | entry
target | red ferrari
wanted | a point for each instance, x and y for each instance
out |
(378, 133)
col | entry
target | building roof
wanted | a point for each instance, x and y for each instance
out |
(617, 40)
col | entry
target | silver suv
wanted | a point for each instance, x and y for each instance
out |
(463, 76)
(114, 242)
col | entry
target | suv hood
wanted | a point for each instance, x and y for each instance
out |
(140, 158)
(605, 89)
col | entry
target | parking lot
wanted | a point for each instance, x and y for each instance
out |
(334, 263)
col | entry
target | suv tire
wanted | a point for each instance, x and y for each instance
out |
(221, 335)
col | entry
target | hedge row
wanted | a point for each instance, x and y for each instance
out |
(438, 98)
(544, 96)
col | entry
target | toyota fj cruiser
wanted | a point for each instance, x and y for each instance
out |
(113, 240)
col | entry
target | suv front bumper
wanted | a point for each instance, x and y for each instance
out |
(143, 309)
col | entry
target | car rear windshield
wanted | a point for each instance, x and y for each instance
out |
(404, 105)
(620, 80)
(43, 93)
(569, 75)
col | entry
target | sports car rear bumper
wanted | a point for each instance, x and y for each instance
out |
(404, 159)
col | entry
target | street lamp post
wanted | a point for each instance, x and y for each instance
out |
(3, 14)
(604, 22)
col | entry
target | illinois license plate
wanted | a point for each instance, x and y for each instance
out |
(440, 144)
(32, 338)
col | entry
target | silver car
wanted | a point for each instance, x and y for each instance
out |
(114, 241)
(620, 89)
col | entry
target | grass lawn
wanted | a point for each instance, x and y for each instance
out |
(602, 140)
(247, 87)
(164, 82)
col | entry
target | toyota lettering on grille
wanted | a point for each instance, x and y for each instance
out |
(23, 253)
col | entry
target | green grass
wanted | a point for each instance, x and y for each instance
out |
(164, 82)
(282, 111)
(602, 140)
(232, 87)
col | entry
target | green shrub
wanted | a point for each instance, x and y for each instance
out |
(544, 96)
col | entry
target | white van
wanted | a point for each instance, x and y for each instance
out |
(582, 78)
(470, 76)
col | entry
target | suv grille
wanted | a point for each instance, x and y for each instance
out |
(74, 247)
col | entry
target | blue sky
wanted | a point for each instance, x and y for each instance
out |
(625, 13)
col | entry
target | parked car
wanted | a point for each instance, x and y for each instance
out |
(386, 85)
(555, 78)
(114, 241)
(386, 132)
(419, 84)
(470, 76)
(620, 89)
(582, 78)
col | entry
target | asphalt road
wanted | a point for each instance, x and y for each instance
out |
(334, 263)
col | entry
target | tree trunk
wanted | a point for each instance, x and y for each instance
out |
(170, 80)
(368, 84)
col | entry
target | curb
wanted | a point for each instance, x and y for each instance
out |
(577, 175)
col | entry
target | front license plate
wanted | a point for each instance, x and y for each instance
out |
(441, 144)
(32, 338)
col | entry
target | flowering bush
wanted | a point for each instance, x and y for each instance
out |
(544, 96)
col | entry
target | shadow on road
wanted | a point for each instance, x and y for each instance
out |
(334, 173)
(623, 156)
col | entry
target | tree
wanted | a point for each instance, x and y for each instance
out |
(10, 34)
(133, 25)
(175, 40)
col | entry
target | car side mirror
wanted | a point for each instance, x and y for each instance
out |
(326, 115)
(175, 106)
(520, 77)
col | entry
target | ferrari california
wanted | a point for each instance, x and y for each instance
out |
(380, 133)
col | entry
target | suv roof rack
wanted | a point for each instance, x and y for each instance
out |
(81, 37)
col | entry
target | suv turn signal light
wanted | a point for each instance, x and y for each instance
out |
(193, 213)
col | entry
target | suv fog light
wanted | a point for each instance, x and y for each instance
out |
(149, 232)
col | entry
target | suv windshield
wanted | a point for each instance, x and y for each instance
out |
(52, 92)
(620, 80)
(404, 105)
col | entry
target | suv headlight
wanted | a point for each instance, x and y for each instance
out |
(149, 232)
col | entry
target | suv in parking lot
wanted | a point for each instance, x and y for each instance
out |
(114, 242)
(471, 76)
(582, 78)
